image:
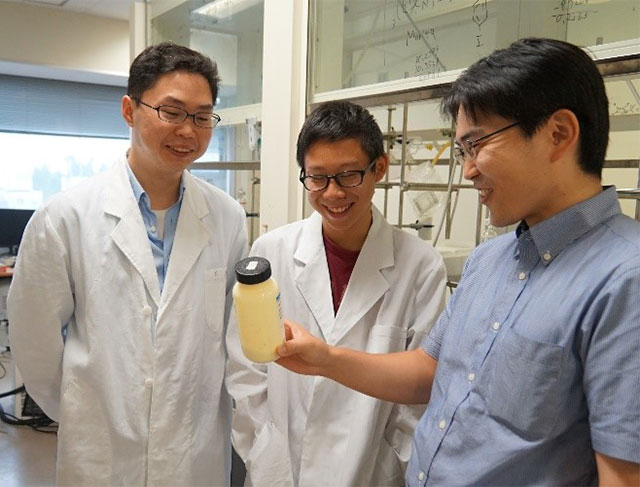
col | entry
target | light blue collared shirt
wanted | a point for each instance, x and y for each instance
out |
(160, 248)
(538, 356)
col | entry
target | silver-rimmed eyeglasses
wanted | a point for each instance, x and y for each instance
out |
(467, 151)
(344, 179)
(170, 114)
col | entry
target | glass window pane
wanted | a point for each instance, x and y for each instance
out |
(231, 146)
(366, 42)
(230, 33)
(51, 164)
(233, 143)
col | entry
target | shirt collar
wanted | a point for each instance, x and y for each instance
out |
(553, 235)
(141, 195)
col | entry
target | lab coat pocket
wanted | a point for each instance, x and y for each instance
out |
(388, 470)
(268, 462)
(86, 449)
(214, 299)
(523, 393)
(384, 339)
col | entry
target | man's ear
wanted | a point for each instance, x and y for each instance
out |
(127, 110)
(382, 164)
(564, 133)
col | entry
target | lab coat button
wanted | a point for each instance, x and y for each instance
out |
(153, 229)
(146, 311)
(421, 476)
(471, 376)
(547, 256)
(148, 382)
(495, 326)
(442, 424)
(522, 276)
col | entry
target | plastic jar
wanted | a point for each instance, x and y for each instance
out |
(257, 302)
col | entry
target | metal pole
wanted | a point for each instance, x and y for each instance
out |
(452, 167)
(390, 109)
(478, 222)
(405, 116)
(638, 201)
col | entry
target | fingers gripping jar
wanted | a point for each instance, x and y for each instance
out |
(257, 302)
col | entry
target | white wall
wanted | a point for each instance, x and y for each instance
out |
(283, 89)
(47, 37)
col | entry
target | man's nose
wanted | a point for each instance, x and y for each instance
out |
(333, 189)
(187, 127)
(469, 169)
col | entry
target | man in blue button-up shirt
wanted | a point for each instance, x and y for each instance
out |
(533, 371)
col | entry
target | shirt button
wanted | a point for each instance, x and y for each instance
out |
(146, 311)
(148, 382)
(495, 326)
(153, 229)
(421, 476)
(471, 376)
(547, 256)
(522, 276)
(442, 424)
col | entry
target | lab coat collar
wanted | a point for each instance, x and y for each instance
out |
(192, 236)
(312, 278)
(366, 286)
(129, 233)
(131, 237)
(367, 283)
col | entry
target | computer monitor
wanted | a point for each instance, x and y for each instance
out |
(12, 225)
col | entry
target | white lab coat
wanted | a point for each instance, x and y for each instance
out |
(310, 431)
(133, 409)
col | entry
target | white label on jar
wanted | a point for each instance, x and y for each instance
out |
(252, 265)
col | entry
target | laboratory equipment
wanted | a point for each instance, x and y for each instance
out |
(12, 225)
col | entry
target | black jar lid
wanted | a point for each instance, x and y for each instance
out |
(253, 270)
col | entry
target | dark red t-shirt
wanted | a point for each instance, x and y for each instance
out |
(341, 263)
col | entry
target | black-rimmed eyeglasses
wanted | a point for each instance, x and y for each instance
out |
(170, 114)
(467, 151)
(344, 179)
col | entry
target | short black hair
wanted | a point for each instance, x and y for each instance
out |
(338, 120)
(529, 81)
(168, 57)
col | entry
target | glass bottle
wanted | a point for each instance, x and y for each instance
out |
(257, 303)
(488, 230)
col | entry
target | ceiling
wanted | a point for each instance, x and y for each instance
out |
(116, 9)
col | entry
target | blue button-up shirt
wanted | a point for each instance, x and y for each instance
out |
(538, 356)
(160, 247)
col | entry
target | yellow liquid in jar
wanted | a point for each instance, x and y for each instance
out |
(259, 319)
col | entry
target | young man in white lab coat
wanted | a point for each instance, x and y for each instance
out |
(355, 281)
(120, 295)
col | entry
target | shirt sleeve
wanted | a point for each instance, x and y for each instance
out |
(612, 368)
(433, 341)
(40, 304)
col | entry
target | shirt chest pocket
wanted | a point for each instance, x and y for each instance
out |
(523, 392)
(385, 339)
(214, 299)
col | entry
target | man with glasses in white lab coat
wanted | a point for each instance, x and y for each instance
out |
(532, 373)
(357, 282)
(121, 292)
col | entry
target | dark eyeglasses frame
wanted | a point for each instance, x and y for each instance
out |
(214, 116)
(336, 177)
(466, 151)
